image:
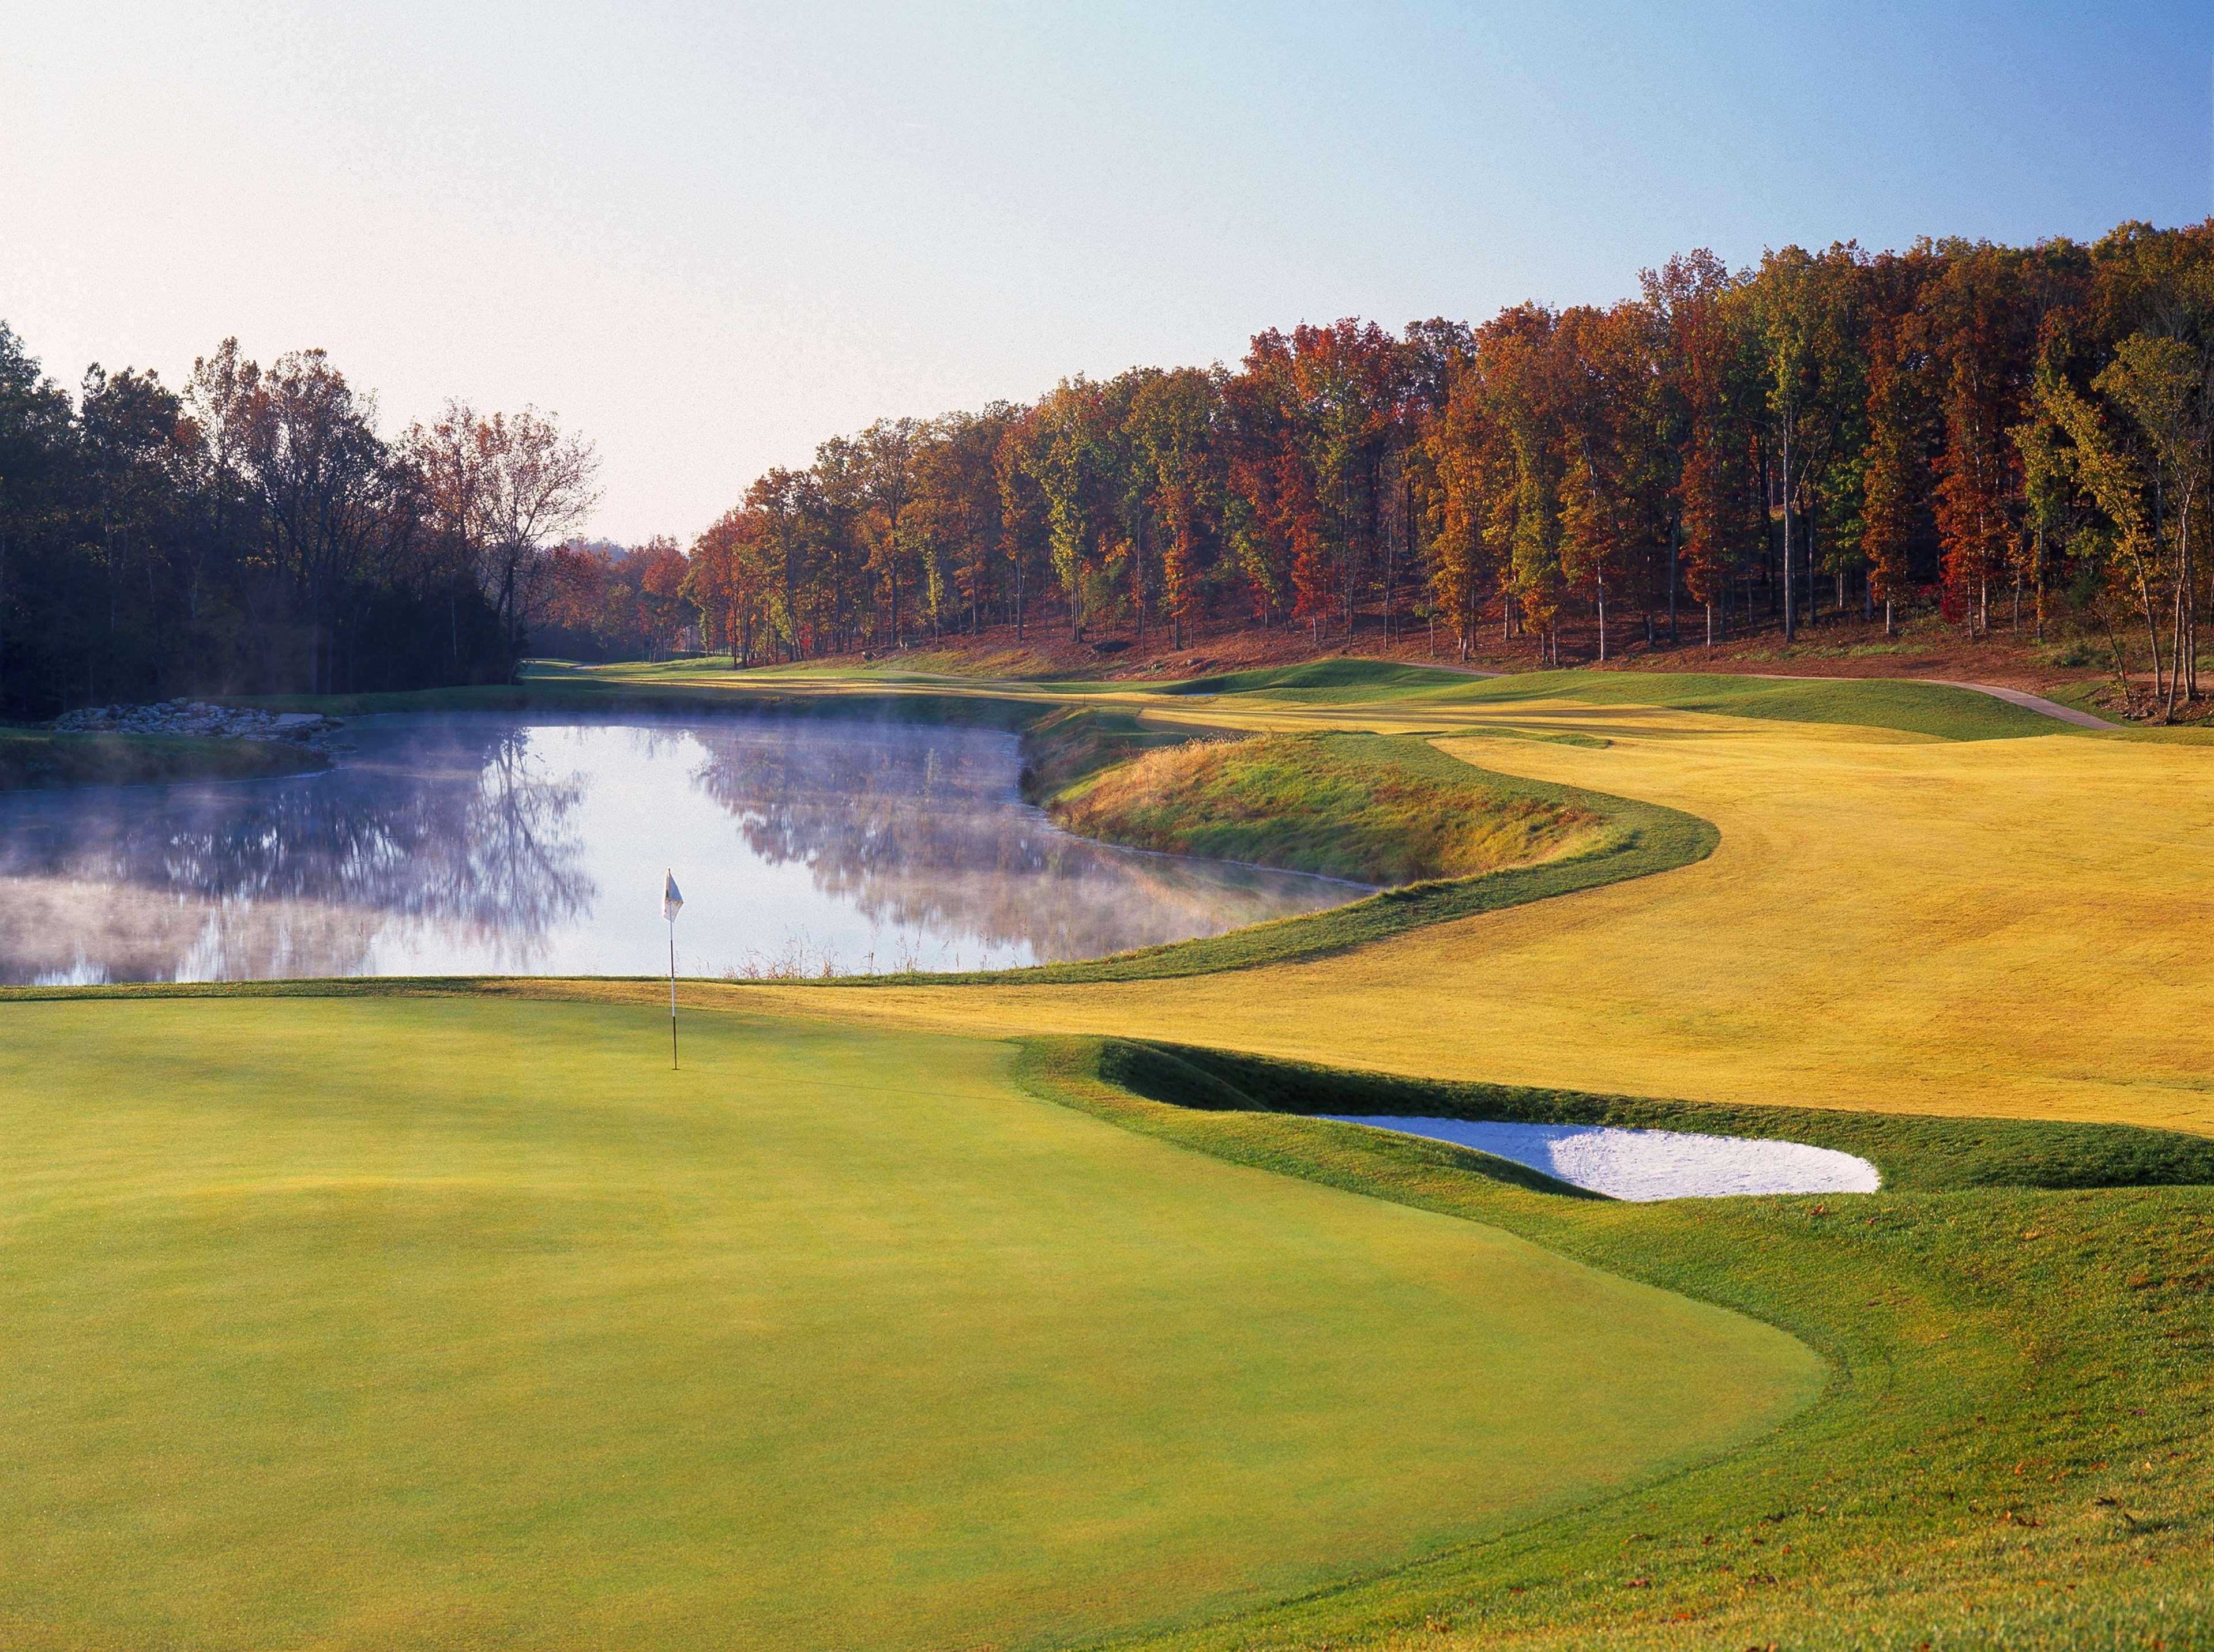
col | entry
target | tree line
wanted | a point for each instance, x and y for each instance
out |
(611, 601)
(254, 532)
(1951, 426)
(1831, 432)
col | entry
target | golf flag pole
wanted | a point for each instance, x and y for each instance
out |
(672, 902)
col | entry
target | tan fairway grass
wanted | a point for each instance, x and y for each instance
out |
(2006, 926)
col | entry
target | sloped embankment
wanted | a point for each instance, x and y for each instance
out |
(1360, 806)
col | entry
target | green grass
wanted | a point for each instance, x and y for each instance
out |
(1908, 707)
(2012, 1451)
(338, 1316)
(34, 759)
(387, 1322)
(1357, 806)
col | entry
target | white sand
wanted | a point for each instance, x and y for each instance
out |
(1641, 1165)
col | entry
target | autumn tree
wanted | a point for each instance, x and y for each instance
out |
(1172, 422)
(888, 480)
(788, 508)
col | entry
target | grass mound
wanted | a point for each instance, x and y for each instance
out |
(1346, 679)
(1875, 703)
(1345, 805)
(1613, 839)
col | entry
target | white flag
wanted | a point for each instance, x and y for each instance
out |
(672, 900)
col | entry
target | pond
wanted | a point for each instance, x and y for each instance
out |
(486, 843)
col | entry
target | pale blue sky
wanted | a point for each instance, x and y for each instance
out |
(709, 236)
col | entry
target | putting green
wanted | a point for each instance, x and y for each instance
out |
(388, 1322)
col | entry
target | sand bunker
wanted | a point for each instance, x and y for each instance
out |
(1641, 1164)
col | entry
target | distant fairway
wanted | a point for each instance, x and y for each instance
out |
(382, 1322)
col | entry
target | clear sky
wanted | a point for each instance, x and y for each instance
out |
(709, 235)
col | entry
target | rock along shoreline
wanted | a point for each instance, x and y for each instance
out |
(325, 736)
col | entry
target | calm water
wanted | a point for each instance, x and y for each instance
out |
(489, 844)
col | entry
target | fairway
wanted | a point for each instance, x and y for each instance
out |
(1891, 921)
(373, 1322)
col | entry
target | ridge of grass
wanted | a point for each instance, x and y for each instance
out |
(1915, 1152)
(39, 759)
(1363, 807)
(2011, 1450)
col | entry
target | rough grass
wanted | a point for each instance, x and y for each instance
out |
(38, 758)
(388, 1322)
(1339, 805)
(2012, 1450)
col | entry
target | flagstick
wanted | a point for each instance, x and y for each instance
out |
(672, 902)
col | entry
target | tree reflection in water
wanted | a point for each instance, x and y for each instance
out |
(482, 843)
(922, 830)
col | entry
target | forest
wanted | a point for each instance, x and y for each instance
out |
(2015, 438)
(2019, 439)
(255, 533)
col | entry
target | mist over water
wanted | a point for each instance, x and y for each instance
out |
(487, 843)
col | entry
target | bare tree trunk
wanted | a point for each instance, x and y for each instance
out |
(1675, 543)
(1790, 589)
(2175, 678)
(1138, 572)
(2039, 582)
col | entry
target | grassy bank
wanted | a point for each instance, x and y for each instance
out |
(2012, 1450)
(34, 759)
(1356, 806)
